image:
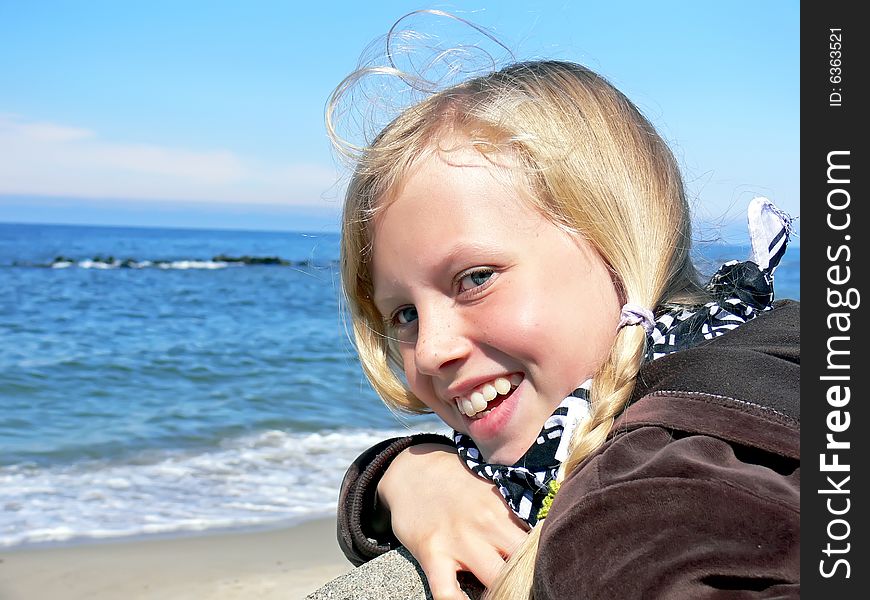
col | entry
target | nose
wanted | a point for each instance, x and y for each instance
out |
(441, 341)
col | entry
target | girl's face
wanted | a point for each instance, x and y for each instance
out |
(499, 313)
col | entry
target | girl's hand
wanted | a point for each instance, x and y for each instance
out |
(450, 519)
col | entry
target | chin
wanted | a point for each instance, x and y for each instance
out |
(504, 456)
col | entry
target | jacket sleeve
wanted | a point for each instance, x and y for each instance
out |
(364, 530)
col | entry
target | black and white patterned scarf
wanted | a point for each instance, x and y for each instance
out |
(740, 290)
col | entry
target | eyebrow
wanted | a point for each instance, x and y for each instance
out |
(380, 301)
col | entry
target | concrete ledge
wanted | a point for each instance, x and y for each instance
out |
(393, 576)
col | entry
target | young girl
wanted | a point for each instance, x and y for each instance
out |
(515, 259)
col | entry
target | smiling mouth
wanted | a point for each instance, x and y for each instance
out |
(488, 396)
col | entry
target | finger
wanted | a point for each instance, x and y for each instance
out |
(441, 576)
(510, 538)
(486, 565)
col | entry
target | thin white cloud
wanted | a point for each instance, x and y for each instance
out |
(43, 132)
(38, 158)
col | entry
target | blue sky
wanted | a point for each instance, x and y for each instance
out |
(210, 113)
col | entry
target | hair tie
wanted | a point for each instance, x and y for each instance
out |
(552, 489)
(634, 314)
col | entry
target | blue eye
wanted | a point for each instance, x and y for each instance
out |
(475, 279)
(405, 315)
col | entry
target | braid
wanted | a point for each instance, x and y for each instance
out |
(611, 390)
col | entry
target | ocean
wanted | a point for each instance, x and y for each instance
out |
(158, 381)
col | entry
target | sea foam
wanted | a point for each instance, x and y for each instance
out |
(273, 477)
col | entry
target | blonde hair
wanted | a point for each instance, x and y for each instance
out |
(592, 164)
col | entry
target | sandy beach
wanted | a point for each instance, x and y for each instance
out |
(286, 564)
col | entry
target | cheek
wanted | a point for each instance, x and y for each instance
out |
(569, 328)
(519, 324)
(409, 365)
(420, 385)
(591, 335)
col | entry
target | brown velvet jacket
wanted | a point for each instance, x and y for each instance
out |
(695, 494)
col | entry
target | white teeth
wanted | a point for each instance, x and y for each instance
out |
(489, 392)
(478, 401)
(502, 385)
